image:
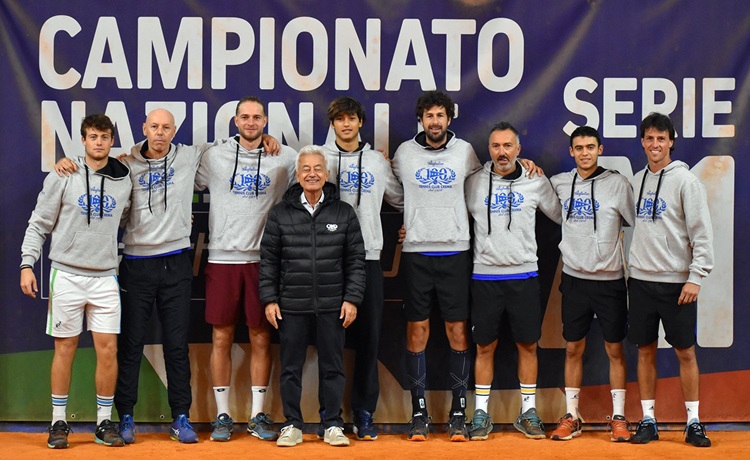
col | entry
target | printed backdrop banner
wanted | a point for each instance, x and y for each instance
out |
(547, 67)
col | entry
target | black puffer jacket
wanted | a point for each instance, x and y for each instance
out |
(312, 263)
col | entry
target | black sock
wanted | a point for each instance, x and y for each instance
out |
(416, 370)
(459, 366)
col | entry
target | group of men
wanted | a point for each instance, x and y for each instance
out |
(295, 243)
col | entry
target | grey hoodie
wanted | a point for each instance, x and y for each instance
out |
(162, 200)
(82, 214)
(365, 179)
(504, 213)
(435, 215)
(591, 244)
(244, 186)
(673, 238)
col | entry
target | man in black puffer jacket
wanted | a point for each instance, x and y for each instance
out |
(312, 272)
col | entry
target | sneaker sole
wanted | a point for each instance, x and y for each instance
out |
(288, 444)
(645, 441)
(119, 443)
(337, 444)
(529, 435)
(418, 437)
(192, 441)
(219, 439)
(61, 446)
(459, 438)
(366, 437)
(619, 439)
(575, 434)
(256, 435)
(695, 444)
(478, 437)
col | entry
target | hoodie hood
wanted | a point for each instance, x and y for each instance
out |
(421, 139)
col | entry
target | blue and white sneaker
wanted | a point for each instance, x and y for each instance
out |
(223, 426)
(127, 429)
(182, 430)
(260, 427)
(362, 426)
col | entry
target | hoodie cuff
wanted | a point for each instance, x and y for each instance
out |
(695, 278)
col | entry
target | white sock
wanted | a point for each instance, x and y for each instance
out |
(222, 400)
(482, 397)
(59, 407)
(259, 399)
(692, 411)
(648, 408)
(104, 408)
(571, 401)
(618, 402)
(528, 397)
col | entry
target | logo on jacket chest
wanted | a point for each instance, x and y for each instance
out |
(246, 183)
(352, 180)
(436, 176)
(583, 207)
(332, 227)
(156, 179)
(500, 202)
(99, 203)
(649, 205)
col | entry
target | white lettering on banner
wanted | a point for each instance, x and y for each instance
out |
(652, 90)
(411, 56)
(189, 41)
(107, 38)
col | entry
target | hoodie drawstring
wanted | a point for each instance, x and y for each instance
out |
(236, 160)
(88, 196)
(257, 173)
(359, 178)
(510, 203)
(149, 187)
(656, 197)
(593, 203)
(489, 203)
(572, 197)
(166, 181)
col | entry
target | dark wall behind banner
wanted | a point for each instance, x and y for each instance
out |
(543, 66)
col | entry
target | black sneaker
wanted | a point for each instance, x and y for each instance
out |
(696, 434)
(646, 431)
(108, 433)
(457, 427)
(58, 435)
(419, 427)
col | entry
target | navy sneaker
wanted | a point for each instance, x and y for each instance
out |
(457, 430)
(647, 431)
(223, 426)
(363, 426)
(182, 430)
(696, 434)
(260, 427)
(58, 435)
(127, 429)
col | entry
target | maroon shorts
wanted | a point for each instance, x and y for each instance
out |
(230, 288)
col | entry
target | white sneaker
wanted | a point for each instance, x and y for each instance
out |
(335, 436)
(289, 437)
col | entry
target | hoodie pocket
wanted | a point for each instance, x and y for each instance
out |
(96, 251)
(653, 253)
(157, 225)
(513, 251)
(235, 232)
(588, 255)
(434, 225)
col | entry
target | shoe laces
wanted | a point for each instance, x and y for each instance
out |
(127, 423)
(618, 424)
(419, 421)
(263, 418)
(183, 422)
(286, 431)
(534, 421)
(479, 418)
(567, 422)
(457, 420)
(58, 428)
(697, 428)
(364, 419)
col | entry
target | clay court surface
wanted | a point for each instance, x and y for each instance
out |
(506, 444)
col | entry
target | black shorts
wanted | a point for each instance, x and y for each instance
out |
(653, 301)
(582, 299)
(519, 300)
(441, 279)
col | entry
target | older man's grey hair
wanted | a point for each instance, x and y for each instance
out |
(312, 150)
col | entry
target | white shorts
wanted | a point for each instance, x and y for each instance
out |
(71, 295)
